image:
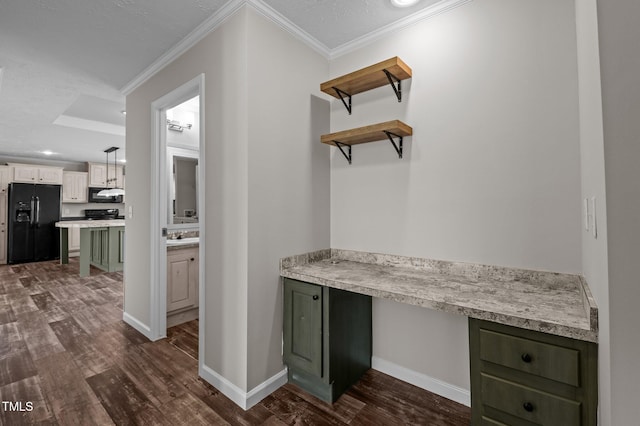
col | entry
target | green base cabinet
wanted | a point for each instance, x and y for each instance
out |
(524, 377)
(327, 338)
(102, 248)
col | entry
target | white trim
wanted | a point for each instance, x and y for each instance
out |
(266, 388)
(200, 32)
(244, 400)
(158, 266)
(437, 386)
(137, 324)
(231, 7)
(202, 181)
(284, 23)
(426, 13)
(92, 125)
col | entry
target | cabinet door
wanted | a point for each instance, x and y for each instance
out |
(3, 228)
(303, 326)
(74, 187)
(116, 177)
(50, 175)
(69, 191)
(74, 239)
(182, 279)
(6, 175)
(81, 186)
(25, 174)
(97, 175)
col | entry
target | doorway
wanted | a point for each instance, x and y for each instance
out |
(177, 230)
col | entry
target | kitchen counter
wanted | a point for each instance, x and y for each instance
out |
(553, 303)
(182, 243)
(90, 223)
(101, 244)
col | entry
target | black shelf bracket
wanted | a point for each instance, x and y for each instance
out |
(397, 147)
(342, 95)
(393, 80)
(340, 145)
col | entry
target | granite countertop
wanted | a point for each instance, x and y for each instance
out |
(90, 223)
(182, 243)
(550, 302)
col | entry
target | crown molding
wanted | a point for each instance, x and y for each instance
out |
(200, 32)
(426, 13)
(290, 27)
(231, 7)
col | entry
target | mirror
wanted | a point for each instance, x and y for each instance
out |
(184, 203)
(183, 151)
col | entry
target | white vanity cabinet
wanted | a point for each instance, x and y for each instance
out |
(182, 278)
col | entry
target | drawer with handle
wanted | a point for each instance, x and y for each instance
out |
(529, 404)
(541, 359)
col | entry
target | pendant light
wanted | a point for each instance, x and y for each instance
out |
(116, 191)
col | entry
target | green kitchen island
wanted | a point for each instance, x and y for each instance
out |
(101, 244)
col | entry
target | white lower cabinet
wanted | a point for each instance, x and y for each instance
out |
(182, 279)
(74, 241)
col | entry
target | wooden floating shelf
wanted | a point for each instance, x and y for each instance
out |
(392, 71)
(375, 132)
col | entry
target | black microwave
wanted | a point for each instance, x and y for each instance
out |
(95, 198)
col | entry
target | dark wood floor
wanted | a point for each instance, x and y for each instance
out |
(65, 349)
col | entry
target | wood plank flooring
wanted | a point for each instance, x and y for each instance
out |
(65, 349)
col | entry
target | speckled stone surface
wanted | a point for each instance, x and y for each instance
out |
(90, 223)
(549, 302)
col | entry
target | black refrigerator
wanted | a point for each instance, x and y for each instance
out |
(33, 211)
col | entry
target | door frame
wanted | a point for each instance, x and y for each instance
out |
(158, 264)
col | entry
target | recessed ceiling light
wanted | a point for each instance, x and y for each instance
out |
(47, 152)
(403, 3)
(122, 161)
(124, 112)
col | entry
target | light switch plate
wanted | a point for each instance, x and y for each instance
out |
(585, 210)
(594, 222)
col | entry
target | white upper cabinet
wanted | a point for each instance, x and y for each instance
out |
(74, 187)
(102, 177)
(30, 173)
(6, 176)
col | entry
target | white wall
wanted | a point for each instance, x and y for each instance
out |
(619, 36)
(267, 185)
(594, 250)
(288, 177)
(221, 56)
(188, 138)
(491, 175)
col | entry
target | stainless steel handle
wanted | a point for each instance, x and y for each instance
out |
(33, 210)
(37, 211)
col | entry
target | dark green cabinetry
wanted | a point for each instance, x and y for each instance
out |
(327, 337)
(523, 377)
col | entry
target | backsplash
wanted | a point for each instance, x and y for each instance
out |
(177, 235)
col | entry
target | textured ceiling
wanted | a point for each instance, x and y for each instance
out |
(63, 62)
(336, 22)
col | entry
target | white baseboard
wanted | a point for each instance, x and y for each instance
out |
(244, 400)
(137, 324)
(449, 391)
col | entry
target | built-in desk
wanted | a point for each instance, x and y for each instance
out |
(101, 244)
(542, 319)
